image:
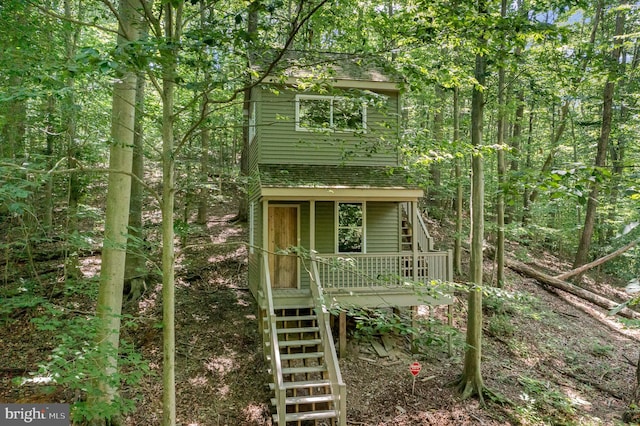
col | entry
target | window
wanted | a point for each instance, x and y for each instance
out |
(252, 121)
(337, 113)
(350, 227)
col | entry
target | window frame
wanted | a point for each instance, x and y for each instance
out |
(338, 227)
(331, 99)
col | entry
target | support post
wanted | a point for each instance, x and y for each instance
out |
(343, 334)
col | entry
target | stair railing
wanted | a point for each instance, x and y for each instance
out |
(276, 362)
(338, 386)
(424, 240)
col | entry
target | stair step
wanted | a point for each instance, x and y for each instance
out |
(297, 318)
(303, 384)
(303, 342)
(308, 399)
(300, 355)
(304, 370)
(309, 415)
(298, 330)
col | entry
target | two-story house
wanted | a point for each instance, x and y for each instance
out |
(333, 219)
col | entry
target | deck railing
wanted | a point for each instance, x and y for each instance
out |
(338, 386)
(362, 271)
(424, 239)
(274, 346)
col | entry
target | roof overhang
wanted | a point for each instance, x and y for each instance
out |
(334, 193)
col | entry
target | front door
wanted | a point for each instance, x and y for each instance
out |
(283, 233)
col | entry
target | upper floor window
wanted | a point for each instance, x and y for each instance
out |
(252, 121)
(350, 227)
(339, 113)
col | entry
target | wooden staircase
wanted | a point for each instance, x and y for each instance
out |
(424, 240)
(305, 386)
(298, 345)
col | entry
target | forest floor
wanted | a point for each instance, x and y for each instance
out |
(548, 358)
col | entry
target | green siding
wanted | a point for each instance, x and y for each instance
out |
(382, 227)
(281, 143)
(325, 227)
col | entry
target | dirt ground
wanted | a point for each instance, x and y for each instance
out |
(547, 357)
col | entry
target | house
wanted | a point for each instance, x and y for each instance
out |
(333, 219)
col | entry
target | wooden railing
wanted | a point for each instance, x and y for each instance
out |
(423, 239)
(276, 362)
(338, 387)
(362, 271)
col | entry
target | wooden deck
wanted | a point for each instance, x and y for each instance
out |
(388, 279)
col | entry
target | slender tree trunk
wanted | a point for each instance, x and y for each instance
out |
(435, 192)
(471, 382)
(70, 115)
(252, 31)
(502, 120)
(135, 268)
(526, 206)
(514, 164)
(109, 304)
(205, 141)
(457, 247)
(582, 253)
(49, 152)
(172, 24)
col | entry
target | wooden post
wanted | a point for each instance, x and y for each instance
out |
(342, 343)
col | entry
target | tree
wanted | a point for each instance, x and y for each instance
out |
(603, 141)
(109, 304)
(471, 382)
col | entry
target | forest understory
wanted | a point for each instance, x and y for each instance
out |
(548, 357)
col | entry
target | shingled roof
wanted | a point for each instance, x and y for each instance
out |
(333, 66)
(333, 177)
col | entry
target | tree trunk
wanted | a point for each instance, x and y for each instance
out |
(471, 382)
(569, 288)
(597, 262)
(435, 192)
(172, 27)
(70, 117)
(109, 304)
(205, 141)
(582, 253)
(135, 268)
(252, 31)
(526, 204)
(457, 247)
(501, 166)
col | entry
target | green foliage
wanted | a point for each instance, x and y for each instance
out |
(19, 298)
(500, 325)
(73, 362)
(424, 332)
(544, 403)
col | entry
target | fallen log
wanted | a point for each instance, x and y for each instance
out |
(598, 300)
(597, 262)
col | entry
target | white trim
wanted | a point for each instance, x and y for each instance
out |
(329, 194)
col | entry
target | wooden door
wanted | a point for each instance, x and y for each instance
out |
(283, 233)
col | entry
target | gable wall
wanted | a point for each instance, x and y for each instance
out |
(281, 143)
